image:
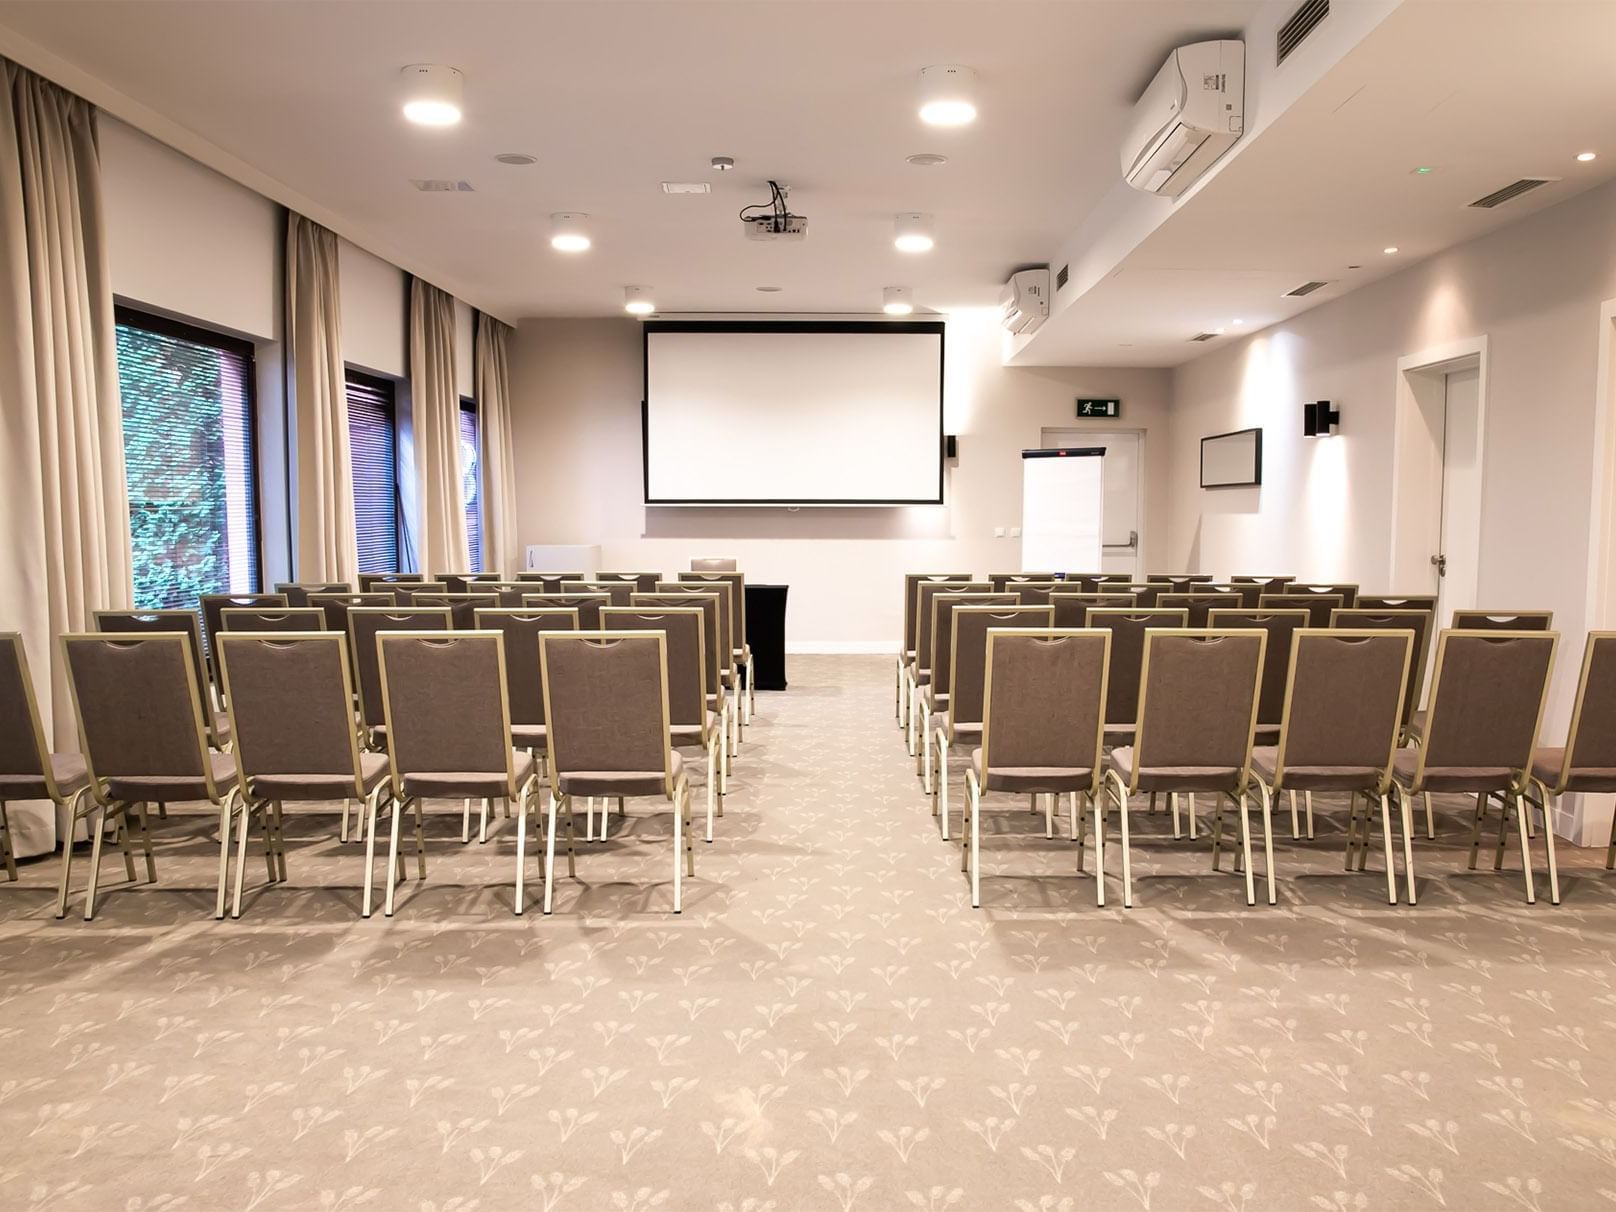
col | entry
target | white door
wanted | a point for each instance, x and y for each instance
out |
(1460, 528)
(1119, 537)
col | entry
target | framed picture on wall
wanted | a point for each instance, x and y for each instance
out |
(1232, 460)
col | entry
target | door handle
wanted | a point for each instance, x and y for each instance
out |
(1440, 563)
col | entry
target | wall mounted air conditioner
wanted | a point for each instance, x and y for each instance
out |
(1024, 303)
(1192, 112)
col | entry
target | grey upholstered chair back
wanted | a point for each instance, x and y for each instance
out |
(1345, 697)
(586, 604)
(1181, 582)
(618, 592)
(524, 689)
(1127, 628)
(1044, 699)
(1487, 698)
(606, 696)
(712, 564)
(1318, 605)
(148, 622)
(337, 606)
(1591, 744)
(970, 651)
(1420, 622)
(1280, 625)
(707, 602)
(1145, 593)
(1379, 601)
(737, 599)
(643, 582)
(1198, 698)
(364, 625)
(462, 582)
(686, 651)
(925, 591)
(1197, 605)
(291, 704)
(1072, 607)
(911, 616)
(1265, 584)
(1100, 582)
(369, 581)
(402, 593)
(297, 592)
(1346, 592)
(1033, 593)
(463, 607)
(550, 582)
(1241, 595)
(213, 603)
(22, 742)
(942, 629)
(260, 618)
(1001, 581)
(726, 612)
(139, 705)
(1506, 620)
(444, 694)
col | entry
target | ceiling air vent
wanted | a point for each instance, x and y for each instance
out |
(442, 187)
(1203, 336)
(1513, 190)
(1060, 276)
(1306, 288)
(1300, 24)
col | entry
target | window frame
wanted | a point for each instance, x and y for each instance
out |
(381, 384)
(475, 558)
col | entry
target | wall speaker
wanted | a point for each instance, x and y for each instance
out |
(1318, 418)
(951, 446)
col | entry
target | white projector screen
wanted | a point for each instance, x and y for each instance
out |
(1062, 499)
(793, 413)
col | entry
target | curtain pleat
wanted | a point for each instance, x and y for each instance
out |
(327, 547)
(493, 386)
(64, 513)
(435, 408)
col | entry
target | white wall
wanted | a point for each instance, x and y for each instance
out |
(576, 386)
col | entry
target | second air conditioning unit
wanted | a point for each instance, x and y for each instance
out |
(1024, 303)
(1192, 112)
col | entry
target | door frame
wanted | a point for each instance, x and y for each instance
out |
(1414, 457)
(1139, 481)
(1601, 604)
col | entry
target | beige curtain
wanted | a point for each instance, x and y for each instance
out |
(493, 386)
(64, 512)
(435, 409)
(323, 520)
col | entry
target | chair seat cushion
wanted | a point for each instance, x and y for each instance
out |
(690, 734)
(463, 784)
(1450, 778)
(620, 782)
(944, 725)
(221, 727)
(1265, 734)
(935, 702)
(1546, 764)
(373, 767)
(1265, 758)
(68, 770)
(530, 736)
(1119, 734)
(161, 789)
(1032, 778)
(1174, 778)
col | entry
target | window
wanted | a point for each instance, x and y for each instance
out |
(471, 482)
(188, 454)
(373, 451)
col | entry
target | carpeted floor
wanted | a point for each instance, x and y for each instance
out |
(827, 1026)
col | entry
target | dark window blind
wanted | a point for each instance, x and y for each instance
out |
(373, 452)
(471, 482)
(187, 398)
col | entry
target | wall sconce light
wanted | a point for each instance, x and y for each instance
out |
(1318, 418)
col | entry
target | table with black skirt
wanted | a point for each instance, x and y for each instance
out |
(766, 634)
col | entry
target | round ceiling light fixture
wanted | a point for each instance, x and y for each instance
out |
(912, 232)
(947, 95)
(1584, 157)
(569, 232)
(433, 94)
(897, 300)
(769, 290)
(1389, 250)
(926, 160)
(516, 158)
(637, 300)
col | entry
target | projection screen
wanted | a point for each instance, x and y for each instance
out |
(793, 413)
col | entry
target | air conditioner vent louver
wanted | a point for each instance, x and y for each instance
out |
(1060, 276)
(442, 187)
(1301, 23)
(1203, 336)
(1306, 288)
(1513, 190)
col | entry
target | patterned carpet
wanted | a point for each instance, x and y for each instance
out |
(827, 1026)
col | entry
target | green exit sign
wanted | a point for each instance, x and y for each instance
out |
(1099, 408)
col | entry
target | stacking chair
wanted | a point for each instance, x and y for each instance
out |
(1033, 593)
(1347, 593)
(550, 582)
(1043, 725)
(1197, 605)
(1317, 605)
(463, 607)
(934, 695)
(617, 591)
(1280, 626)
(747, 698)
(1100, 582)
(403, 593)
(718, 700)
(1422, 623)
(911, 622)
(918, 674)
(1587, 761)
(28, 769)
(1001, 581)
(961, 722)
(587, 605)
(370, 581)
(643, 582)
(712, 564)
(461, 582)
(1494, 620)
(297, 593)
(449, 734)
(1266, 584)
(258, 618)
(337, 606)
(1127, 627)
(729, 679)
(150, 622)
(606, 697)
(1418, 601)
(291, 710)
(1480, 736)
(214, 603)
(1145, 593)
(522, 628)
(692, 724)
(1072, 608)
(141, 734)
(1197, 712)
(365, 623)
(1234, 597)
(1182, 582)
(1340, 728)
(508, 593)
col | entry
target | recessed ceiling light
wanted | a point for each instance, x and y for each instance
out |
(1424, 170)
(1355, 267)
(1389, 249)
(926, 159)
(722, 164)
(517, 158)
(569, 232)
(1586, 156)
(912, 232)
(1237, 320)
(432, 94)
(637, 300)
(769, 290)
(897, 300)
(685, 187)
(947, 95)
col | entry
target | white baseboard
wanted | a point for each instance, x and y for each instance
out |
(842, 647)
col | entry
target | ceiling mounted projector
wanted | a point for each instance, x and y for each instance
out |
(772, 221)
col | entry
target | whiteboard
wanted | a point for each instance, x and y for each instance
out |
(1062, 503)
(793, 413)
(1231, 459)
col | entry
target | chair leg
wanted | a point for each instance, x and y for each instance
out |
(370, 849)
(241, 851)
(280, 838)
(690, 834)
(482, 820)
(923, 757)
(121, 834)
(572, 842)
(1368, 825)
(1406, 809)
(1191, 798)
(1352, 828)
(1268, 842)
(1097, 803)
(974, 791)
(1503, 833)
(1296, 821)
(1178, 826)
(465, 821)
(1386, 837)
(146, 846)
(1526, 848)
(420, 837)
(1049, 815)
(98, 827)
(269, 841)
(392, 855)
(342, 829)
(227, 812)
(1072, 814)
(521, 849)
(75, 812)
(1245, 844)
(1430, 819)
(5, 843)
(1127, 858)
(1548, 843)
(1307, 798)
(162, 811)
(678, 858)
(1475, 828)
(1080, 827)
(712, 791)
(939, 803)
(549, 851)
